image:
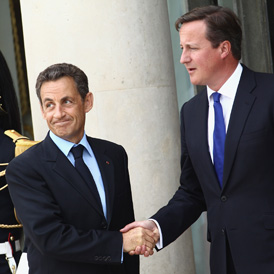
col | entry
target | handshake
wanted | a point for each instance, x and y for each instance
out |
(139, 238)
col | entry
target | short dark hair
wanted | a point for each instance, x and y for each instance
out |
(57, 71)
(222, 24)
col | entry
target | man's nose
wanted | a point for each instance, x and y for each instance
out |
(58, 111)
(185, 58)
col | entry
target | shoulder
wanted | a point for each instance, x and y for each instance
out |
(258, 76)
(27, 158)
(259, 84)
(196, 99)
(197, 102)
(107, 148)
(101, 143)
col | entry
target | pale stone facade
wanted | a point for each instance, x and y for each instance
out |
(125, 49)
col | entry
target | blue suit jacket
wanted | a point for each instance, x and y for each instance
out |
(65, 228)
(242, 212)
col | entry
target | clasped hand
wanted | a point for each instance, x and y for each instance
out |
(139, 238)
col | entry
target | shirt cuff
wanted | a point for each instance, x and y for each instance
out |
(159, 244)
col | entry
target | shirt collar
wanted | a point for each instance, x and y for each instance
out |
(65, 146)
(229, 88)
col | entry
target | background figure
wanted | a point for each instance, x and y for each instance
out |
(9, 119)
(233, 179)
(72, 204)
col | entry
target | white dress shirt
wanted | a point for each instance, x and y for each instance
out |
(228, 93)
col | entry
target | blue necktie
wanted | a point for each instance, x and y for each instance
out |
(218, 138)
(83, 170)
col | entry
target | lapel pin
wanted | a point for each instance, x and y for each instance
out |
(107, 162)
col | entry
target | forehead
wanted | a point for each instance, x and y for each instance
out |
(64, 86)
(192, 31)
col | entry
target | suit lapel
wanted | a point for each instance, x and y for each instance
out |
(63, 168)
(106, 167)
(242, 106)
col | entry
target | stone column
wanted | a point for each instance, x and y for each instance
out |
(125, 49)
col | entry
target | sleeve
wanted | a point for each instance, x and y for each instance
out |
(188, 202)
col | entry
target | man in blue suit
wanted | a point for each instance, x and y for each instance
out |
(239, 203)
(71, 221)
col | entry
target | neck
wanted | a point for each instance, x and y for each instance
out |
(224, 75)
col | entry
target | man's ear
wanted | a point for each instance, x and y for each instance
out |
(88, 102)
(225, 48)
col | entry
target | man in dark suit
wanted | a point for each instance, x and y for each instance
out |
(240, 200)
(71, 220)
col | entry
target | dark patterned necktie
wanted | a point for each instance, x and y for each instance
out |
(83, 170)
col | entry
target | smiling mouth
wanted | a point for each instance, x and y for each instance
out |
(61, 123)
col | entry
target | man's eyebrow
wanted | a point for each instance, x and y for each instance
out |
(62, 99)
(66, 98)
(190, 44)
(47, 100)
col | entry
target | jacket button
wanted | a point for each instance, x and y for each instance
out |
(223, 231)
(223, 198)
(104, 225)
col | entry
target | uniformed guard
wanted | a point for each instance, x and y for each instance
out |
(10, 229)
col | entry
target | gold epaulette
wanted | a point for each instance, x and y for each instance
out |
(22, 143)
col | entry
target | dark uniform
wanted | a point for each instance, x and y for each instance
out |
(7, 217)
(10, 232)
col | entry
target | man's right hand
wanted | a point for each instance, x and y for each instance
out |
(146, 246)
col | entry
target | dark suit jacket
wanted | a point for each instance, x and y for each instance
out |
(66, 231)
(7, 149)
(242, 212)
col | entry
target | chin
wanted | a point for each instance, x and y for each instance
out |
(197, 82)
(60, 133)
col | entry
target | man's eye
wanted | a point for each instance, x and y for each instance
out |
(49, 105)
(67, 102)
